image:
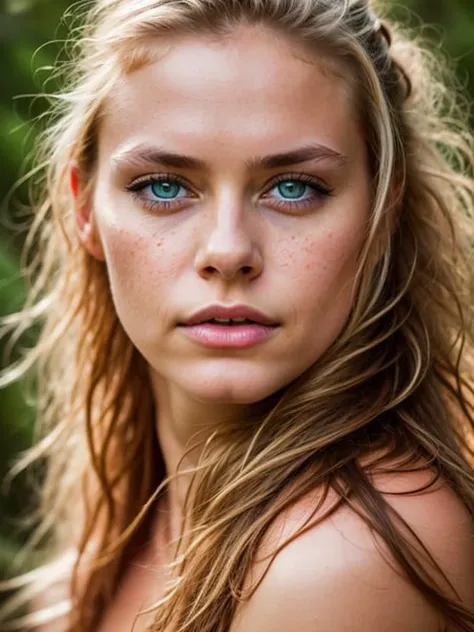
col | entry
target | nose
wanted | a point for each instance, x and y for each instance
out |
(228, 248)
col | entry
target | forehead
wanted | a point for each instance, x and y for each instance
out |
(231, 94)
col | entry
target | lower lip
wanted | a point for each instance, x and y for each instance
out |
(228, 337)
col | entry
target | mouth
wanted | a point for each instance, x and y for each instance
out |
(223, 322)
(230, 316)
(228, 333)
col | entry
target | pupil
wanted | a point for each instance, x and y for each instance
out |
(293, 188)
(165, 189)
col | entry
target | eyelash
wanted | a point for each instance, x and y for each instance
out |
(137, 188)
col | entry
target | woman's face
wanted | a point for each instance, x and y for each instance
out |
(230, 229)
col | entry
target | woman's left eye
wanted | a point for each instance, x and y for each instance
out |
(295, 186)
(166, 191)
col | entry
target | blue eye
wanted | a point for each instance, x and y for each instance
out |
(165, 190)
(294, 188)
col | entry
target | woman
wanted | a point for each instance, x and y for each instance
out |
(255, 276)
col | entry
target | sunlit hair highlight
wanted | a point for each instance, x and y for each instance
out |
(396, 380)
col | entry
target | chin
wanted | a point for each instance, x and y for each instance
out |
(231, 394)
(235, 389)
(240, 383)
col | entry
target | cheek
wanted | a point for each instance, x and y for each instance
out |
(320, 286)
(138, 255)
(141, 267)
(126, 261)
(127, 258)
(325, 262)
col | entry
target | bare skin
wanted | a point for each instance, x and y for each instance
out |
(332, 577)
(232, 237)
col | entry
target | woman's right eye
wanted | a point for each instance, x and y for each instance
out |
(163, 188)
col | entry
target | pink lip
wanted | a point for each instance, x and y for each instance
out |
(228, 336)
(232, 311)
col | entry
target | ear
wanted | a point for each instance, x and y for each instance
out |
(85, 220)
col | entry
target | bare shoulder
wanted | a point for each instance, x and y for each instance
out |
(439, 518)
(336, 577)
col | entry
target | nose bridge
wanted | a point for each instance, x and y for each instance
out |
(229, 243)
(228, 216)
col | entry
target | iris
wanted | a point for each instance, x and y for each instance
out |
(167, 189)
(293, 188)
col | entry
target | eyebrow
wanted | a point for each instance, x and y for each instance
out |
(145, 155)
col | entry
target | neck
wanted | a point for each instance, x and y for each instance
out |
(183, 425)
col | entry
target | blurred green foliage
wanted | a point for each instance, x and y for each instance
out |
(29, 30)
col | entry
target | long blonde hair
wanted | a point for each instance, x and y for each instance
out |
(410, 328)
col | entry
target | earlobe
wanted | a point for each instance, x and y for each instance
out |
(85, 221)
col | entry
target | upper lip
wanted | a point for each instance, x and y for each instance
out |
(229, 311)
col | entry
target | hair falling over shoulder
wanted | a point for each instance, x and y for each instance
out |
(398, 378)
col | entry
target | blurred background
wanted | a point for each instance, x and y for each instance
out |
(30, 40)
